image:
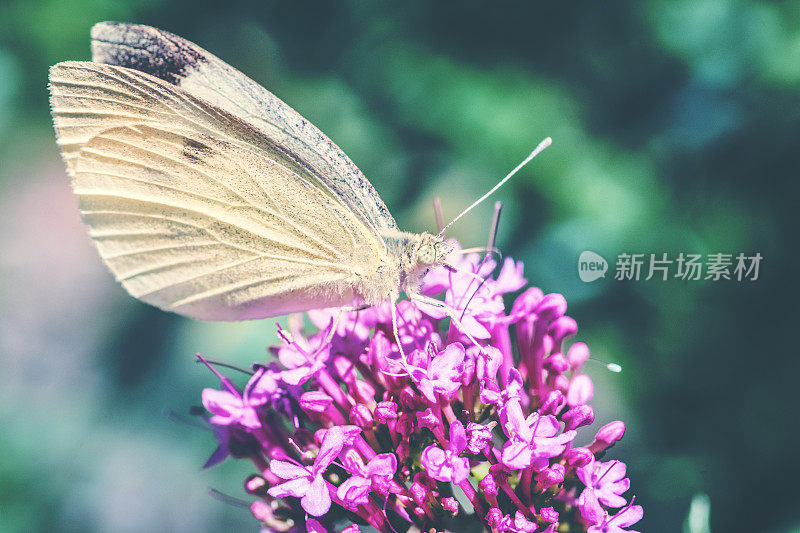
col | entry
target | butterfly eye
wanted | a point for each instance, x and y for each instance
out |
(426, 254)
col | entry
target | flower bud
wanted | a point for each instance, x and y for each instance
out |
(363, 391)
(451, 505)
(408, 399)
(607, 436)
(551, 307)
(404, 424)
(468, 374)
(551, 476)
(499, 472)
(489, 486)
(556, 364)
(580, 390)
(385, 411)
(580, 415)
(561, 328)
(345, 368)
(256, 485)
(361, 416)
(577, 355)
(548, 514)
(315, 401)
(561, 383)
(578, 457)
(261, 510)
(527, 301)
(403, 450)
(552, 403)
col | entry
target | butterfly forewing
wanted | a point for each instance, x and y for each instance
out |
(194, 210)
(193, 69)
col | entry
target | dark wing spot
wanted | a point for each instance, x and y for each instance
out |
(149, 50)
(195, 151)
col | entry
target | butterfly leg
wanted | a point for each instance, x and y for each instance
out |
(393, 307)
(452, 313)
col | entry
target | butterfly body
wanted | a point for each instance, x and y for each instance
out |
(208, 196)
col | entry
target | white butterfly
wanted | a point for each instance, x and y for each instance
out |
(208, 196)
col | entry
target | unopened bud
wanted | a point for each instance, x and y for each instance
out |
(580, 415)
(315, 401)
(607, 436)
(361, 416)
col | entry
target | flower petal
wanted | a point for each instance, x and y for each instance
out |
(384, 464)
(517, 454)
(628, 516)
(287, 470)
(448, 361)
(458, 437)
(295, 487)
(332, 444)
(317, 501)
(354, 491)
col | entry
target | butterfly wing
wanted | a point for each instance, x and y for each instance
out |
(186, 65)
(195, 211)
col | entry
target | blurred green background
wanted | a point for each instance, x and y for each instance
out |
(675, 128)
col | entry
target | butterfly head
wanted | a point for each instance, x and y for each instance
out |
(432, 250)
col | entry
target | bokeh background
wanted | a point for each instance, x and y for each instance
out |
(675, 127)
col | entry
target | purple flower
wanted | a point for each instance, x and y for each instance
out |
(497, 520)
(601, 522)
(479, 437)
(231, 408)
(532, 440)
(522, 524)
(519, 375)
(309, 485)
(445, 465)
(379, 470)
(304, 358)
(606, 480)
(551, 476)
(450, 504)
(442, 375)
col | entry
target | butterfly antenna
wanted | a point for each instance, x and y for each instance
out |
(542, 145)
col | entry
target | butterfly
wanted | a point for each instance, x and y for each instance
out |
(208, 196)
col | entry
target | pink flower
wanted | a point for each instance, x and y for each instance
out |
(379, 470)
(606, 480)
(602, 522)
(442, 375)
(231, 408)
(518, 390)
(445, 465)
(532, 440)
(309, 485)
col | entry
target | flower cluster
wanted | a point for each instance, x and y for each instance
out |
(474, 419)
